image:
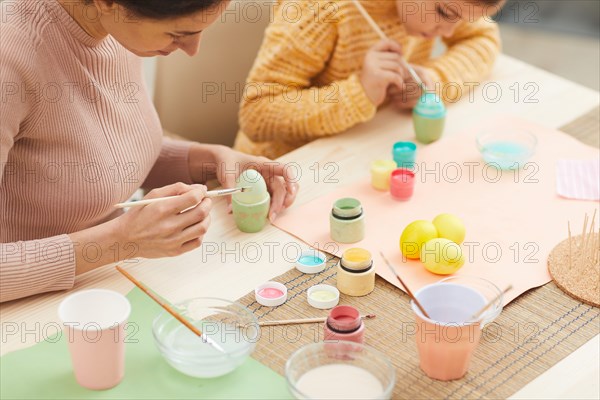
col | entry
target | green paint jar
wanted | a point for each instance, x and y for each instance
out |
(429, 118)
(250, 208)
(347, 221)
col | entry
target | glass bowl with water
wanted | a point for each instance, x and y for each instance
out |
(340, 370)
(229, 335)
(506, 149)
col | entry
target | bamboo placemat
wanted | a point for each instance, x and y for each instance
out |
(533, 333)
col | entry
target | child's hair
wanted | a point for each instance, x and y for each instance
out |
(160, 9)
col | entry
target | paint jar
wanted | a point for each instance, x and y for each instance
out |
(344, 323)
(429, 118)
(323, 297)
(250, 208)
(404, 154)
(347, 221)
(271, 294)
(311, 261)
(402, 184)
(355, 273)
(381, 171)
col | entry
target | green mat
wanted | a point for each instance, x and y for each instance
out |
(44, 371)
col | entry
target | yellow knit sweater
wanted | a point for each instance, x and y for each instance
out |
(304, 83)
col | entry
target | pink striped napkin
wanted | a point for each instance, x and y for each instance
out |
(578, 179)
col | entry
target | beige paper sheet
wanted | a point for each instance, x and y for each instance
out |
(513, 220)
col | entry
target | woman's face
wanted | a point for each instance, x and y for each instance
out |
(432, 18)
(148, 38)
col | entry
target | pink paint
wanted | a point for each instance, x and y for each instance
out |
(344, 323)
(270, 293)
(402, 184)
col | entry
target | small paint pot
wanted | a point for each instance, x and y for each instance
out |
(402, 184)
(381, 170)
(311, 261)
(271, 294)
(404, 154)
(355, 273)
(323, 296)
(344, 323)
(347, 221)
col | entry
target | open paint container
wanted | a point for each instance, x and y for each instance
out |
(311, 261)
(323, 297)
(230, 332)
(271, 294)
(339, 370)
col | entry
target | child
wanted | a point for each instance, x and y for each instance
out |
(322, 68)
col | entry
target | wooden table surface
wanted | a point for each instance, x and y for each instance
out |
(230, 263)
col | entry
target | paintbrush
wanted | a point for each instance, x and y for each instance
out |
(495, 299)
(404, 286)
(210, 194)
(304, 321)
(171, 310)
(383, 36)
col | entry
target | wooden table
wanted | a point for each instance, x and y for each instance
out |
(230, 264)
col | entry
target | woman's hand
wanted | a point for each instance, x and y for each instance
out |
(406, 96)
(221, 162)
(160, 229)
(281, 185)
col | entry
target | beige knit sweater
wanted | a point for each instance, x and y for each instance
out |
(78, 133)
(304, 83)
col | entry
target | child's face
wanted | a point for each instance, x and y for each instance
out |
(431, 18)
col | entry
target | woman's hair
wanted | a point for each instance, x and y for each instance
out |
(161, 9)
(489, 2)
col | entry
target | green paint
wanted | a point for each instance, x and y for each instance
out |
(44, 371)
(250, 218)
(428, 130)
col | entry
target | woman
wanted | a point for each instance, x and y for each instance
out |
(79, 133)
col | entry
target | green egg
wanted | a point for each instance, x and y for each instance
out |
(258, 188)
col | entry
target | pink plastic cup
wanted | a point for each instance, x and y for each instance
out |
(447, 340)
(94, 323)
(402, 184)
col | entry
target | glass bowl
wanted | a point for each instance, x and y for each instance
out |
(506, 149)
(230, 332)
(340, 370)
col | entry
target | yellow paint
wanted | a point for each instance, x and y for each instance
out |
(322, 295)
(356, 255)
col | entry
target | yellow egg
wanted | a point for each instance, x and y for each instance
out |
(414, 236)
(442, 256)
(450, 227)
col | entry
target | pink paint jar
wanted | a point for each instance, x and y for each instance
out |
(345, 323)
(402, 184)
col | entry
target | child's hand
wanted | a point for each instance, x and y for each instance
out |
(406, 96)
(382, 69)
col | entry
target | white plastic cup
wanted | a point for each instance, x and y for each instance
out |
(94, 322)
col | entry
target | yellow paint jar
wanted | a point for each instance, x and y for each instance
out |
(381, 171)
(355, 272)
